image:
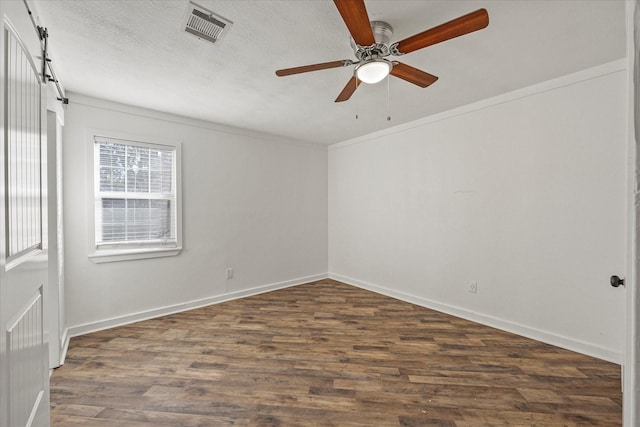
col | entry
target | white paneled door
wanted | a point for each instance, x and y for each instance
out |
(24, 391)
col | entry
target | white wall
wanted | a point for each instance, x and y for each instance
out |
(524, 193)
(250, 202)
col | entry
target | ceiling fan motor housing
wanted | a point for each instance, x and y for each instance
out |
(382, 33)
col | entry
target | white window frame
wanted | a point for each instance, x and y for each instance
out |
(124, 252)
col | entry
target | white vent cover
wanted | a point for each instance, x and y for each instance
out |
(205, 24)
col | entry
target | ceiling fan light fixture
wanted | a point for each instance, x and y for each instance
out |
(373, 71)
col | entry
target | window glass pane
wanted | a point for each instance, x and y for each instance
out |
(106, 180)
(158, 171)
(118, 179)
(119, 156)
(112, 213)
(160, 223)
(136, 220)
(142, 181)
(167, 171)
(132, 167)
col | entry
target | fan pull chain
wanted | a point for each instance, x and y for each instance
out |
(356, 79)
(388, 102)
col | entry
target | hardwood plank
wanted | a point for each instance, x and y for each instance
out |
(326, 354)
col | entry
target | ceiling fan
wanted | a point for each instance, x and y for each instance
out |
(370, 41)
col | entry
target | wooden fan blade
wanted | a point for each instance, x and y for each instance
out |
(412, 75)
(349, 89)
(313, 67)
(466, 24)
(355, 16)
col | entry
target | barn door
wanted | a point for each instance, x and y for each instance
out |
(24, 392)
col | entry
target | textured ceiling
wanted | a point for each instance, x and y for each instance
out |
(135, 52)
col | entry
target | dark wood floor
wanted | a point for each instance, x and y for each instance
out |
(326, 354)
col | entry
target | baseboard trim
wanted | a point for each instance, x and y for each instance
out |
(113, 322)
(502, 324)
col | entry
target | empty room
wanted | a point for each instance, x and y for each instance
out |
(319, 213)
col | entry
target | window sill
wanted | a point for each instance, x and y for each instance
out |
(103, 256)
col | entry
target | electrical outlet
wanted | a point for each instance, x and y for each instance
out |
(229, 273)
(473, 287)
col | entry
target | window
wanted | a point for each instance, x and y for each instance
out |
(136, 200)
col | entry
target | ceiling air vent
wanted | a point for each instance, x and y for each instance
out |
(205, 24)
